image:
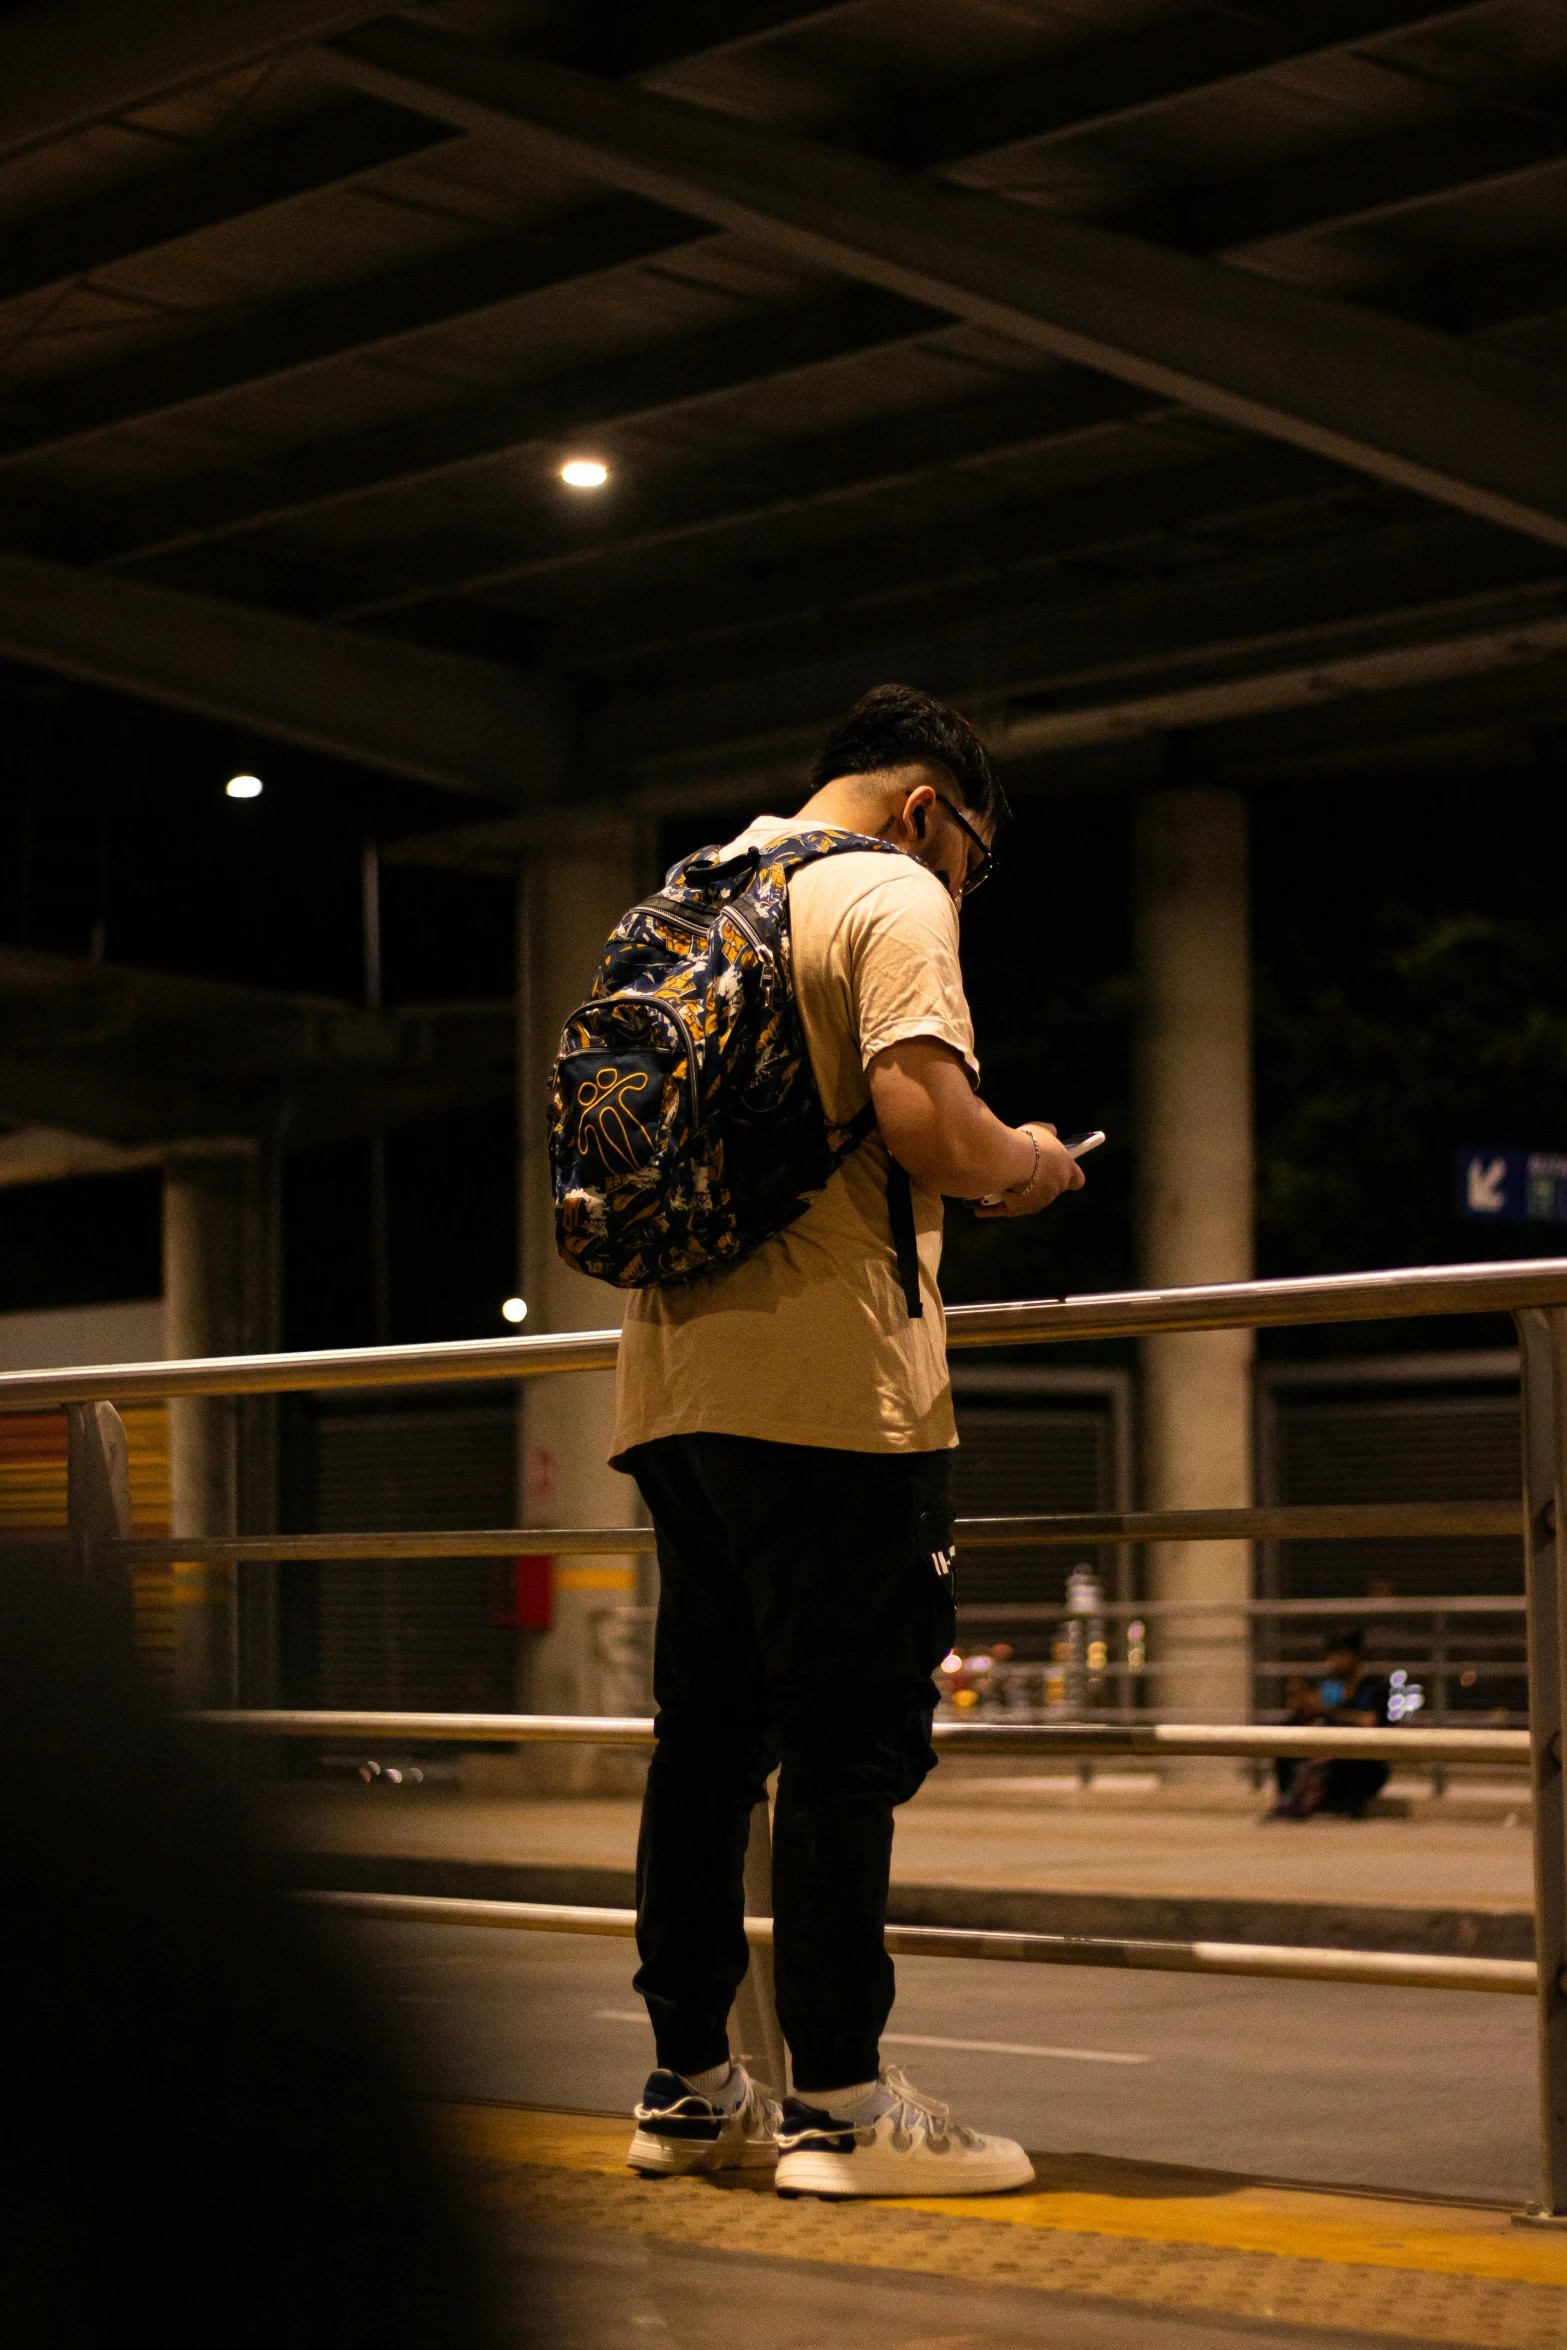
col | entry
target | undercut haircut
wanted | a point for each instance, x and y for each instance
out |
(898, 726)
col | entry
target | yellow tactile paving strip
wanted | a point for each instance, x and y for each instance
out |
(1168, 2239)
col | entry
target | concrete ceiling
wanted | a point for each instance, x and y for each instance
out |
(1092, 361)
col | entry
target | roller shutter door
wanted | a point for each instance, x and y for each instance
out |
(412, 1632)
(1403, 1448)
(1425, 1447)
(1023, 1462)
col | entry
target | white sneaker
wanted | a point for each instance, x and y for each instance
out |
(913, 2147)
(679, 2130)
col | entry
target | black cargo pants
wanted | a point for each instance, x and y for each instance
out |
(805, 1601)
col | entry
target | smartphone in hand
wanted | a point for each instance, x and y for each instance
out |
(1076, 1146)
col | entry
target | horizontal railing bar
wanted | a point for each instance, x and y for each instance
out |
(1055, 1611)
(1395, 1295)
(1029, 1611)
(1400, 1294)
(1245, 1740)
(1405, 1970)
(1316, 1522)
(459, 1360)
(335, 1724)
(1241, 1740)
(1329, 1521)
(323, 1549)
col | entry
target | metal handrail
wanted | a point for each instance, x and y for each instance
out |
(1229, 1305)
(1464, 1603)
(1248, 1741)
(1535, 1292)
(1290, 1962)
(1314, 1522)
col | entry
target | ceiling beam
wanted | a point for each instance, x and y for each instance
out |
(321, 153)
(610, 395)
(607, 397)
(1341, 593)
(1504, 682)
(468, 725)
(67, 63)
(1379, 177)
(1297, 687)
(1102, 84)
(748, 493)
(1465, 426)
(348, 319)
(208, 189)
(1274, 711)
(1003, 548)
(629, 37)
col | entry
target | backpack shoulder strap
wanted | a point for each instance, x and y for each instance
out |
(782, 859)
(776, 866)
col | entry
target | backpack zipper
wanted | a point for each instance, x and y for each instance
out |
(647, 1003)
(763, 954)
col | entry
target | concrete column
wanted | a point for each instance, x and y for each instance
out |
(576, 884)
(1194, 1133)
(212, 1302)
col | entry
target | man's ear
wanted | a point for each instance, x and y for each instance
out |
(915, 808)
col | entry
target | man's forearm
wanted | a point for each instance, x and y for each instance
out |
(980, 1157)
(937, 1127)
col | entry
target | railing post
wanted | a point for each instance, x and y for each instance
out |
(1542, 1332)
(98, 1507)
(755, 2019)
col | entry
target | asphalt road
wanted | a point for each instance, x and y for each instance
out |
(1430, 2093)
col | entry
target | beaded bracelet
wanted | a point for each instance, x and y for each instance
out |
(1013, 1189)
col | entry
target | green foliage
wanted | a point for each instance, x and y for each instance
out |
(1424, 1011)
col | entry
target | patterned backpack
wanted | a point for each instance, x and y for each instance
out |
(685, 1123)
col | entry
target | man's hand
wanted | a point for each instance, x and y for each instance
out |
(1056, 1172)
(939, 1130)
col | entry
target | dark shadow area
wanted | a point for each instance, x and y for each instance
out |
(205, 2139)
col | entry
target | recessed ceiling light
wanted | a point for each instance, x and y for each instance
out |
(514, 1310)
(244, 787)
(584, 473)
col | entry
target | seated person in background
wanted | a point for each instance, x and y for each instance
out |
(1355, 1698)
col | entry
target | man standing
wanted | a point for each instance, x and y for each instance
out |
(789, 1422)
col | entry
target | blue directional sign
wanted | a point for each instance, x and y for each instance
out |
(1512, 1187)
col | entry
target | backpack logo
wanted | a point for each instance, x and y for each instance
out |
(607, 1128)
(685, 1123)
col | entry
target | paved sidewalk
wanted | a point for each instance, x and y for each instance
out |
(1133, 2243)
(1222, 1854)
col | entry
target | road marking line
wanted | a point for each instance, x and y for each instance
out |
(624, 2015)
(1012, 2048)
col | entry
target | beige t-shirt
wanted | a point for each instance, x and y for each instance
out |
(808, 1340)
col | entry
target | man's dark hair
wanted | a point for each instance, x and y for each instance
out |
(895, 726)
(1351, 1642)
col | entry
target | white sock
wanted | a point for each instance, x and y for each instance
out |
(721, 2084)
(860, 2102)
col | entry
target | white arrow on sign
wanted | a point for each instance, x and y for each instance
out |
(1485, 1187)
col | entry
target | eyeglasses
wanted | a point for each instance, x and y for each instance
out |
(985, 864)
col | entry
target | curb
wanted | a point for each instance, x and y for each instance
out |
(1502, 1931)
